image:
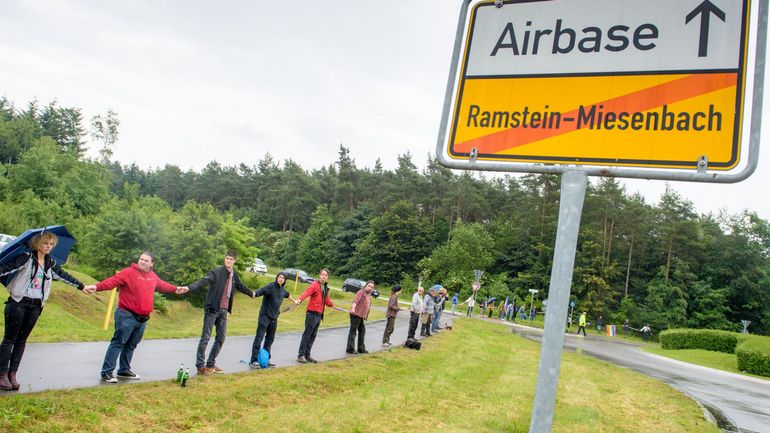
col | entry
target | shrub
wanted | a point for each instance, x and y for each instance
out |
(159, 303)
(754, 355)
(706, 339)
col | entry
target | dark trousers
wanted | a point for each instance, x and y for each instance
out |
(581, 328)
(358, 326)
(425, 329)
(312, 322)
(414, 320)
(265, 329)
(211, 319)
(389, 327)
(128, 334)
(20, 318)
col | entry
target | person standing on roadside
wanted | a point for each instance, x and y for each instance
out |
(28, 290)
(359, 312)
(267, 322)
(390, 314)
(455, 300)
(646, 332)
(136, 295)
(427, 312)
(415, 310)
(219, 302)
(438, 307)
(582, 324)
(318, 292)
(471, 301)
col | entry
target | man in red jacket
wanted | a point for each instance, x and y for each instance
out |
(318, 292)
(136, 285)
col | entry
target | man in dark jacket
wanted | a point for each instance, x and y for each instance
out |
(274, 294)
(219, 301)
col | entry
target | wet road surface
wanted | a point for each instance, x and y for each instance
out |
(739, 403)
(78, 365)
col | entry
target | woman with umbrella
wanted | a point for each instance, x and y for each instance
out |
(28, 278)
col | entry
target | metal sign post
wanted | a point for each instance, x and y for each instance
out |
(573, 191)
(532, 293)
(746, 324)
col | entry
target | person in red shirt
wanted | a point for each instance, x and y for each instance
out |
(318, 292)
(136, 285)
(359, 312)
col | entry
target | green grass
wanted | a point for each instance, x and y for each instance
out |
(477, 378)
(706, 358)
(70, 315)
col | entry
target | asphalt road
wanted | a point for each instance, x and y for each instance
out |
(77, 365)
(739, 403)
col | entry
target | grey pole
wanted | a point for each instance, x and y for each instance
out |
(573, 191)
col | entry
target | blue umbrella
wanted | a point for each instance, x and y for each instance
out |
(19, 246)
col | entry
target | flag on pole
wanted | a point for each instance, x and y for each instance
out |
(506, 303)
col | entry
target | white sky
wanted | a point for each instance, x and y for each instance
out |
(196, 81)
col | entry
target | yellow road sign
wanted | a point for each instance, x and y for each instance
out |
(653, 84)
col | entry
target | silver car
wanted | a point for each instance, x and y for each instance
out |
(258, 267)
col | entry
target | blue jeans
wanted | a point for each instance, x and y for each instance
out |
(128, 333)
(436, 317)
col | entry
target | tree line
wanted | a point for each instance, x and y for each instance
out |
(660, 263)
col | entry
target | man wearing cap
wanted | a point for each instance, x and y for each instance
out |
(582, 324)
(390, 314)
(359, 312)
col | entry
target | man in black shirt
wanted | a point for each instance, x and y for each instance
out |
(267, 323)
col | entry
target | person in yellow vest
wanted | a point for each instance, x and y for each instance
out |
(582, 324)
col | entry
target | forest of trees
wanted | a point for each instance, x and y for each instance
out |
(664, 264)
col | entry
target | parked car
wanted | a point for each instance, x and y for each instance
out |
(353, 285)
(4, 239)
(258, 267)
(291, 275)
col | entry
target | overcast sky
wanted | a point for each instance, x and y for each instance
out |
(196, 81)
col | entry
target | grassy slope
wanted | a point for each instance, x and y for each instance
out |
(477, 378)
(70, 315)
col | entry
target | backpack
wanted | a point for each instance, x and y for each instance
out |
(411, 343)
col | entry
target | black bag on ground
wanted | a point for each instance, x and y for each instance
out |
(411, 343)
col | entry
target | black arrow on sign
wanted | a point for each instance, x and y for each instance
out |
(705, 10)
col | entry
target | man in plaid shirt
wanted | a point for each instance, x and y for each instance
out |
(359, 312)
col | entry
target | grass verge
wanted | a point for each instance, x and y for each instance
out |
(706, 358)
(477, 378)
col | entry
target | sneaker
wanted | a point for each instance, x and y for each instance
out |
(108, 378)
(128, 375)
(203, 371)
(309, 359)
(255, 364)
(350, 351)
(270, 364)
(301, 360)
(216, 370)
(363, 351)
